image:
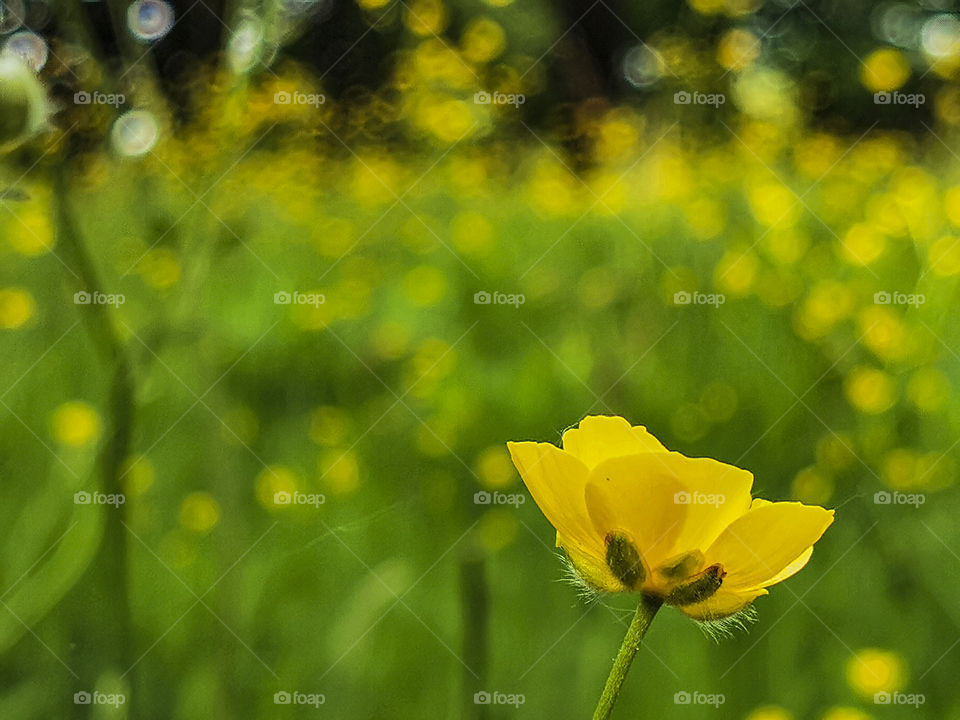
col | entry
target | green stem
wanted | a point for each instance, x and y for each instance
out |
(631, 644)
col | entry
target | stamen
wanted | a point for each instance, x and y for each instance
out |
(699, 588)
(624, 560)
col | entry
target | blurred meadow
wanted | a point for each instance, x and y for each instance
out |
(280, 279)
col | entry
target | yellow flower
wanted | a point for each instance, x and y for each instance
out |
(632, 516)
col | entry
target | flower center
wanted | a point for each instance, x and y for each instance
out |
(624, 560)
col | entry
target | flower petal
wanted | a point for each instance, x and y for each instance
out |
(556, 480)
(791, 569)
(635, 495)
(599, 437)
(721, 604)
(764, 542)
(717, 494)
(669, 504)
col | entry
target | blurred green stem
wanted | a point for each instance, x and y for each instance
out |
(631, 644)
(475, 603)
(110, 571)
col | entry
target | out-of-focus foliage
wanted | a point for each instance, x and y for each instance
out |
(317, 308)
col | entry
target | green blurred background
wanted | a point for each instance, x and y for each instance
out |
(289, 227)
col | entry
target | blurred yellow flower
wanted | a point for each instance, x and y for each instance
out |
(493, 467)
(75, 424)
(737, 49)
(632, 516)
(17, 307)
(900, 468)
(199, 512)
(874, 670)
(770, 712)
(339, 471)
(862, 244)
(425, 17)
(884, 332)
(273, 480)
(138, 475)
(835, 451)
(944, 258)
(472, 233)
(843, 712)
(775, 204)
(951, 205)
(483, 40)
(736, 271)
(884, 70)
(870, 390)
(928, 389)
(30, 232)
(810, 485)
(828, 303)
(706, 7)
(425, 285)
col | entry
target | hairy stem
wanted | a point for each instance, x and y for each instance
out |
(631, 644)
